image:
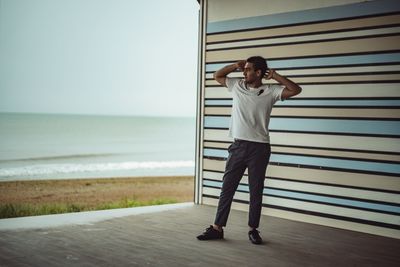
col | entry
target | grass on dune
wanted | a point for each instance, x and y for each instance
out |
(21, 210)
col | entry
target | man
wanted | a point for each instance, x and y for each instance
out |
(251, 109)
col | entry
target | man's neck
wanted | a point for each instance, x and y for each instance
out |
(255, 84)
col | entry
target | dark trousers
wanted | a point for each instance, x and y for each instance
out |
(255, 157)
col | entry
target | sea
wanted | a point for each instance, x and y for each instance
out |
(54, 146)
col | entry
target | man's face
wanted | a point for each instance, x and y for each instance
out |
(250, 75)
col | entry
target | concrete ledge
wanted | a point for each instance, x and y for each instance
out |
(81, 218)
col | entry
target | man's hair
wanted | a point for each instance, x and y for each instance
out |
(259, 63)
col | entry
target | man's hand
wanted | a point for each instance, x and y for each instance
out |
(240, 64)
(270, 74)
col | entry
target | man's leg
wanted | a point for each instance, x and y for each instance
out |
(257, 165)
(234, 170)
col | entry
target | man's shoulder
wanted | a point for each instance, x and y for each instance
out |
(232, 82)
(272, 87)
(234, 79)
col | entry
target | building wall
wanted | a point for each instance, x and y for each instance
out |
(218, 10)
(336, 146)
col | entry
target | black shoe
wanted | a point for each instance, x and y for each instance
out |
(255, 237)
(211, 233)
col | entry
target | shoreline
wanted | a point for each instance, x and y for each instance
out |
(38, 197)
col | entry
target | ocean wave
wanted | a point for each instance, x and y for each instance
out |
(73, 156)
(46, 169)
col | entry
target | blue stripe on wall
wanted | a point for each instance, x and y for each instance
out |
(324, 61)
(319, 125)
(319, 161)
(313, 197)
(325, 103)
(210, 102)
(311, 15)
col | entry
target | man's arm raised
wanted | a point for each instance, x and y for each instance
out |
(220, 75)
(291, 88)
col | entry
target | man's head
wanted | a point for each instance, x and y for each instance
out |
(255, 69)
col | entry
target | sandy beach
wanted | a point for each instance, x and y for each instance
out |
(24, 198)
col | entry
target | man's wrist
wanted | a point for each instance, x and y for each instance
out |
(275, 75)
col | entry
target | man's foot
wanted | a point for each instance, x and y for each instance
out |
(211, 233)
(255, 237)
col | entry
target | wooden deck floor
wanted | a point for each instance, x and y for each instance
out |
(167, 238)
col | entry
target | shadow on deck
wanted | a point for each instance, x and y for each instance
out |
(165, 236)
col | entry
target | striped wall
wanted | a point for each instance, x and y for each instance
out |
(336, 146)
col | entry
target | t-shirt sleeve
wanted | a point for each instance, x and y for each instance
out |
(230, 83)
(277, 92)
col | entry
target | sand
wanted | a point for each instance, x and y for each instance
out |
(92, 193)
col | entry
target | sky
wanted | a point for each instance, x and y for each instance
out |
(106, 57)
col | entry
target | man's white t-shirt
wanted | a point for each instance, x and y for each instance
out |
(251, 109)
